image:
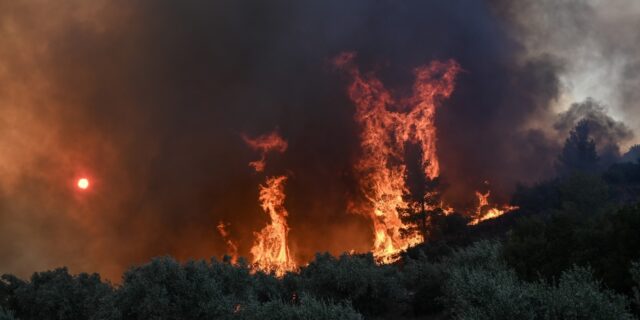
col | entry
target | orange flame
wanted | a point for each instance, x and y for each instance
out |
(270, 250)
(384, 134)
(232, 247)
(485, 212)
(265, 143)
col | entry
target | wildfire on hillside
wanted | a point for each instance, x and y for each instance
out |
(387, 124)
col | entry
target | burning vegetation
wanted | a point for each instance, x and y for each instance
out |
(401, 212)
(271, 249)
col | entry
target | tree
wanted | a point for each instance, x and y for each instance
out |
(373, 290)
(424, 210)
(633, 155)
(579, 152)
(55, 294)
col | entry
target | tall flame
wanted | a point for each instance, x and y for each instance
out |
(271, 251)
(384, 134)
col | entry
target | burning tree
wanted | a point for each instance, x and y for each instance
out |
(387, 125)
(424, 204)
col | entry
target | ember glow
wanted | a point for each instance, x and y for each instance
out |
(387, 124)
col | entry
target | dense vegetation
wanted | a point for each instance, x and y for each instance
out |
(572, 251)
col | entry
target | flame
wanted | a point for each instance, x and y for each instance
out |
(384, 133)
(265, 143)
(232, 247)
(485, 212)
(270, 250)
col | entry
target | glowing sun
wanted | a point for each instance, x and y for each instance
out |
(83, 183)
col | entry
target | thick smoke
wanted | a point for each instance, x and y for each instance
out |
(597, 43)
(151, 98)
(607, 133)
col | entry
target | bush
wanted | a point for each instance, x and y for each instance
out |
(608, 243)
(424, 280)
(308, 309)
(372, 289)
(579, 296)
(163, 289)
(480, 286)
(635, 274)
(55, 295)
(6, 315)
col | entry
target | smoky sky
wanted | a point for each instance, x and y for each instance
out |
(150, 99)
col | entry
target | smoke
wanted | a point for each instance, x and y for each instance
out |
(151, 99)
(607, 133)
(597, 44)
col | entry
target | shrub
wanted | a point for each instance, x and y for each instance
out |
(55, 295)
(579, 296)
(480, 285)
(424, 280)
(163, 289)
(372, 289)
(635, 274)
(6, 315)
(308, 309)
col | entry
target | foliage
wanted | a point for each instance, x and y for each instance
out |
(579, 152)
(481, 286)
(578, 193)
(372, 289)
(633, 155)
(55, 295)
(425, 279)
(308, 309)
(6, 315)
(635, 274)
(607, 242)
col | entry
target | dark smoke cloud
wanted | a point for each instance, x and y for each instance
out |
(607, 133)
(597, 43)
(151, 99)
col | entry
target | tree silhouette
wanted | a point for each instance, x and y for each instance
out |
(579, 152)
(424, 209)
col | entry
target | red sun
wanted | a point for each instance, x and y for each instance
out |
(83, 183)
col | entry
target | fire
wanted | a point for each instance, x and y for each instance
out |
(385, 132)
(271, 251)
(485, 212)
(232, 247)
(265, 143)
